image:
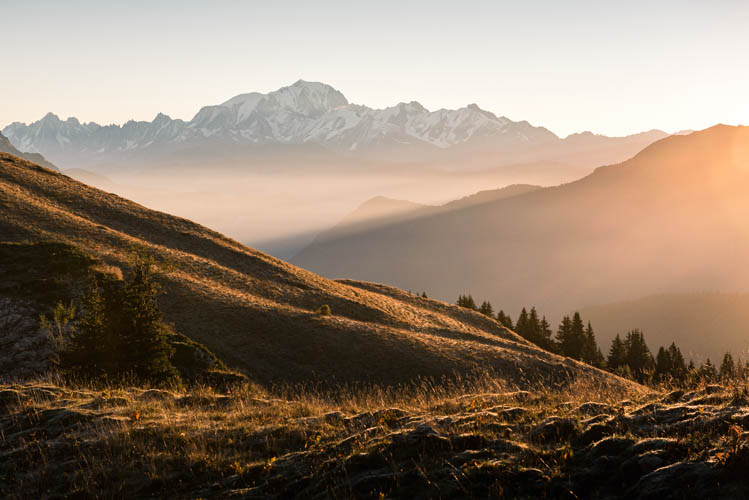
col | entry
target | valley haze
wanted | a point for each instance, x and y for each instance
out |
(386, 250)
(275, 169)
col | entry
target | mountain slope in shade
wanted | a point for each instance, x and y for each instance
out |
(381, 211)
(490, 195)
(673, 218)
(7, 147)
(257, 312)
(703, 325)
(243, 129)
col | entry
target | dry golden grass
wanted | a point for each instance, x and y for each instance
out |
(111, 441)
(424, 440)
(258, 313)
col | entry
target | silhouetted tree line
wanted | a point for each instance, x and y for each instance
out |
(628, 357)
(573, 338)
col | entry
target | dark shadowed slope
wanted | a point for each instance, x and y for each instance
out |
(380, 211)
(673, 218)
(7, 147)
(257, 312)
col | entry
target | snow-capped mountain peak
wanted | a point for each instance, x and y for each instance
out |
(302, 112)
(307, 98)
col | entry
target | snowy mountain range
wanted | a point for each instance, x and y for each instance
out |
(305, 113)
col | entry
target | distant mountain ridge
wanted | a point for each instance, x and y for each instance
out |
(316, 114)
(7, 147)
(381, 211)
(671, 219)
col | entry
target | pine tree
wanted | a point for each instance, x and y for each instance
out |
(727, 367)
(486, 309)
(505, 319)
(742, 369)
(91, 352)
(617, 354)
(121, 331)
(663, 365)
(707, 371)
(546, 341)
(424, 295)
(565, 338)
(678, 367)
(466, 301)
(521, 326)
(147, 353)
(534, 327)
(591, 354)
(578, 337)
(639, 359)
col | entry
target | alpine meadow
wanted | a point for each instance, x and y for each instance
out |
(333, 250)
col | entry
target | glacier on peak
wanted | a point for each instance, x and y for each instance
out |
(300, 113)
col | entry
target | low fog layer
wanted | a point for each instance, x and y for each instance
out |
(281, 211)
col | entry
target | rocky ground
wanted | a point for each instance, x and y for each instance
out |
(67, 442)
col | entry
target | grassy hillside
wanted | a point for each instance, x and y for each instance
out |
(671, 219)
(257, 313)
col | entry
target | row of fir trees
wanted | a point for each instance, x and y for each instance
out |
(628, 356)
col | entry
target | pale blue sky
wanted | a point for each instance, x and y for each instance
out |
(609, 67)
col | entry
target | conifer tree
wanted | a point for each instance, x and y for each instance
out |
(742, 369)
(727, 367)
(578, 337)
(121, 331)
(462, 300)
(663, 365)
(617, 354)
(534, 327)
(639, 359)
(565, 338)
(707, 371)
(505, 319)
(546, 341)
(147, 353)
(591, 354)
(486, 309)
(678, 367)
(466, 301)
(521, 326)
(90, 353)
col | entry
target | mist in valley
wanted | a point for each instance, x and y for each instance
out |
(282, 210)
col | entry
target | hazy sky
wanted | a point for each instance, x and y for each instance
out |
(609, 67)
